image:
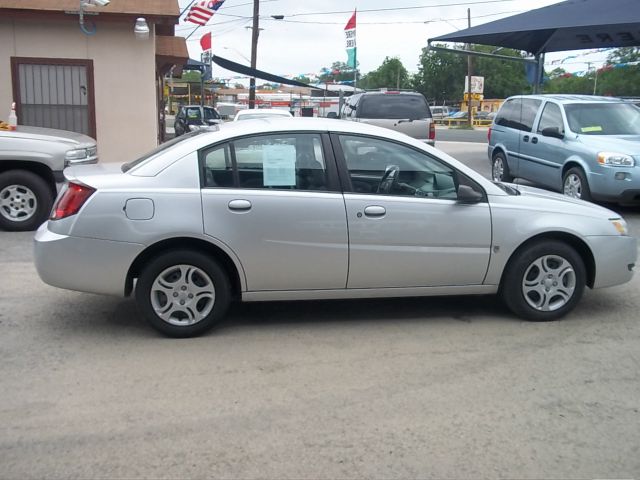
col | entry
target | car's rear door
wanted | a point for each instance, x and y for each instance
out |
(413, 233)
(274, 200)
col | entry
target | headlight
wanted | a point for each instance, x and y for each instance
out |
(615, 159)
(78, 154)
(620, 225)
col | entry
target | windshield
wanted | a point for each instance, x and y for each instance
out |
(394, 106)
(161, 148)
(251, 116)
(603, 118)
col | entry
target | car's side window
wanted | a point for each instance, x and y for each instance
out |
(290, 161)
(518, 113)
(530, 108)
(218, 167)
(381, 167)
(551, 117)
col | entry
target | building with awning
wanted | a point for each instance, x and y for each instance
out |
(98, 70)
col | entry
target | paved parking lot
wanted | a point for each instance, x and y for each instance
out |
(446, 387)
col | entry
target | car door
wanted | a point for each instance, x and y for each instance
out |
(532, 166)
(408, 114)
(549, 151)
(406, 227)
(275, 201)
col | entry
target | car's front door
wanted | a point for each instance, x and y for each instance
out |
(274, 200)
(406, 227)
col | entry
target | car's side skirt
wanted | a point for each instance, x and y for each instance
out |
(279, 295)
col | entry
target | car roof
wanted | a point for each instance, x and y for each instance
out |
(571, 98)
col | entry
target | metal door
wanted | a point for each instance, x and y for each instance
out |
(55, 95)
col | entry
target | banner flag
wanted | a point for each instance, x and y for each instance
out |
(350, 37)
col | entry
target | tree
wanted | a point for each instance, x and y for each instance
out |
(191, 76)
(502, 78)
(391, 74)
(624, 55)
(440, 76)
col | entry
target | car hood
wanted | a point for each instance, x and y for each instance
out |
(556, 202)
(39, 133)
(627, 144)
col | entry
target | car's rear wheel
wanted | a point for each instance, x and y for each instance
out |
(500, 169)
(183, 293)
(544, 281)
(25, 200)
(575, 184)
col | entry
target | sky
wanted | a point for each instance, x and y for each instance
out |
(311, 36)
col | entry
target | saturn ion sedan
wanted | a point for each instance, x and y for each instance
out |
(308, 209)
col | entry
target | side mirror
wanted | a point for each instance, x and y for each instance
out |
(213, 121)
(466, 194)
(552, 132)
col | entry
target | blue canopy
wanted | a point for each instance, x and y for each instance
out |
(569, 25)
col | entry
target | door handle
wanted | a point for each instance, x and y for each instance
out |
(525, 138)
(534, 140)
(374, 211)
(239, 205)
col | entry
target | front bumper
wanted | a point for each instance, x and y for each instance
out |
(83, 264)
(616, 184)
(615, 259)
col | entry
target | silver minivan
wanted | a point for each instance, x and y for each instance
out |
(584, 146)
(405, 112)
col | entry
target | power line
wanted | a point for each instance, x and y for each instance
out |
(394, 23)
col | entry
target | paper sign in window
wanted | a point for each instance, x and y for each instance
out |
(279, 165)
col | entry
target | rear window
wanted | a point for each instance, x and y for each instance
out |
(394, 106)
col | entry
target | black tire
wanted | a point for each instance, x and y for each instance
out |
(519, 296)
(576, 185)
(166, 267)
(25, 200)
(499, 160)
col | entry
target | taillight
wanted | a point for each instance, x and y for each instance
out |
(71, 200)
(489, 135)
(432, 131)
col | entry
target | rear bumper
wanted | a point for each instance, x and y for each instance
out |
(83, 264)
(615, 259)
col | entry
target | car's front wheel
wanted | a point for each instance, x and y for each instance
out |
(575, 184)
(500, 168)
(25, 200)
(183, 293)
(544, 281)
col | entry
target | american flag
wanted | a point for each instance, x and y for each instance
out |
(202, 11)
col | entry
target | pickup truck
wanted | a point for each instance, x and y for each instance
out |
(31, 163)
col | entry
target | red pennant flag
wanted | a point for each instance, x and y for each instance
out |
(351, 24)
(205, 42)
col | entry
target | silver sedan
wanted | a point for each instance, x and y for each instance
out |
(296, 209)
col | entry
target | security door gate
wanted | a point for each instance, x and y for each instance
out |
(55, 93)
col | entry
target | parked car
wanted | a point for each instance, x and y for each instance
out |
(586, 147)
(31, 163)
(254, 113)
(194, 117)
(405, 112)
(311, 208)
(438, 112)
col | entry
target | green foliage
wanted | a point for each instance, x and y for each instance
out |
(502, 78)
(391, 74)
(441, 75)
(624, 55)
(191, 76)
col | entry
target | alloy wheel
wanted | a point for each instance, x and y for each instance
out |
(17, 203)
(549, 283)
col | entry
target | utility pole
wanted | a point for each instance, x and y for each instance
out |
(255, 31)
(469, 67)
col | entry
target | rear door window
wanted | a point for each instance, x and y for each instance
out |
(394, 106)
(518, 113)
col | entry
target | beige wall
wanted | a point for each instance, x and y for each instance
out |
(124, 77)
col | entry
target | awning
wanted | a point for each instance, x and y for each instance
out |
(170, 51)
(252, 72)
(569, 25)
